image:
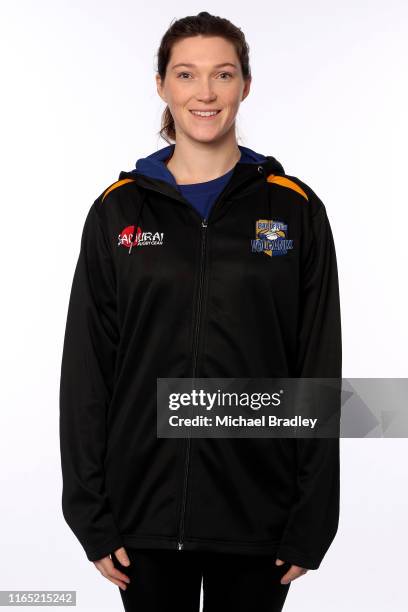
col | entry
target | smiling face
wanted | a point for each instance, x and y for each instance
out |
(203, 74)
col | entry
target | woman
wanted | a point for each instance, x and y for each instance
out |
(207, 260)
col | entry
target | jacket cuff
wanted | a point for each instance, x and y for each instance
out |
(296, 557)
(105, 549)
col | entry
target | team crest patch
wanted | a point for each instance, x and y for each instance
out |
(128, 238)
(271, 238)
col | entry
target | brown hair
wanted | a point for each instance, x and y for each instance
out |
(206, 25)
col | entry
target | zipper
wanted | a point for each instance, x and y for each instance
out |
(204, 225)
(226, 194)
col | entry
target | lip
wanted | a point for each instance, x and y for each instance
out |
(209, 118)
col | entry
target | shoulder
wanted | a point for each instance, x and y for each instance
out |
(115, 198)
(115, 187)
(302, 192)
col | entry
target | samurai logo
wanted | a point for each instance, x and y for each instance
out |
(129, 239)
(271, 238)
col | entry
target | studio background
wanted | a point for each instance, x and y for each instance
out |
(79, 104)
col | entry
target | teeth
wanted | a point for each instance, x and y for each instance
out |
(204, 114)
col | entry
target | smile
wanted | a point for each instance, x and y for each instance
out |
(205, 114)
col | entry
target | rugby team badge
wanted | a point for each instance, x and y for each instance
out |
(271, 238)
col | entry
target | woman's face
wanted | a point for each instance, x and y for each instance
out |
(204, 73)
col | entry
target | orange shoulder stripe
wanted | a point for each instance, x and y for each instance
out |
(285, 182)
(117, 184)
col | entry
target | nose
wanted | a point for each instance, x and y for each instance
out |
(205, 91)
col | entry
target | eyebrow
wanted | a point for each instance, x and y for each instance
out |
(193, 65)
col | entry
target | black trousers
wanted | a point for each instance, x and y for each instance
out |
(169, 580)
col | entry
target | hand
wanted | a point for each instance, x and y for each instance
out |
(294, 572)
(107, 569)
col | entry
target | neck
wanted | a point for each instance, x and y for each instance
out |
(197, 162)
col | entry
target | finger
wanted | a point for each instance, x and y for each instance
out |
(115, 573)
(115, 576)
(301, 570)
(292, 573)
(119, 583)
(122, 556)
(279, 562)
(108, 570)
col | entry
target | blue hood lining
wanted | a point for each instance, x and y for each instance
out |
(154, 167)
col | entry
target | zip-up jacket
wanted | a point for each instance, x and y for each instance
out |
(250, 291)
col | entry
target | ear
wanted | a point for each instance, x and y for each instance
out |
(247, 87)
(159, 87)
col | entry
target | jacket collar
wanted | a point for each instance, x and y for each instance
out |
(152, 174)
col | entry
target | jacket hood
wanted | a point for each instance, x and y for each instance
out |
(153, 166)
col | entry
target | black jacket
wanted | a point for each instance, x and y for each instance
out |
(186, 298)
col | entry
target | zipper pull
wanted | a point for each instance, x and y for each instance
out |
(180, 546)
(204, 223)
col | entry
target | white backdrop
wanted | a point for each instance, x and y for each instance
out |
(328, 99)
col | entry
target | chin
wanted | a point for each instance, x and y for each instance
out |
(206, 138)
(200, 137)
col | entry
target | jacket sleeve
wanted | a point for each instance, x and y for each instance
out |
(87, 372)
(314, 518)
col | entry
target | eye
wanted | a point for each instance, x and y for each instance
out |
(180, 74)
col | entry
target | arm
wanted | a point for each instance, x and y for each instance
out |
(314, 519)
(87, 373)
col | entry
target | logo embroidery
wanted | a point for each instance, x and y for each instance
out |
(141, 238)
(271, 238)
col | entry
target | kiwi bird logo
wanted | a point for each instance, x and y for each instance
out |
(271, 238)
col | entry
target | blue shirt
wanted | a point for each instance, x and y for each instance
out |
(203, 195)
